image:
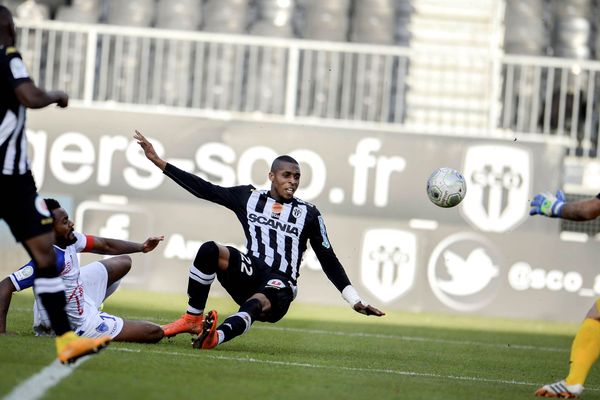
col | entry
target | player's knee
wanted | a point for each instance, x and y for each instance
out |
(124, 262)
(207, 257)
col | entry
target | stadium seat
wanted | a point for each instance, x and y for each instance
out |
(226, 16)
(131, 13)
(326, 20)
(572, 33)
(183, 15)
(274, 18)
(30, 10)
(373, 21)
(526, 28)
(81, 11)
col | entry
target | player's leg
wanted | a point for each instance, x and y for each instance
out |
(234, 325)
(585, 351)
(48, 285)
(96, 279)
(210, 258)
(140, 332)
(116, 267)
(270, 304)
(50, 289)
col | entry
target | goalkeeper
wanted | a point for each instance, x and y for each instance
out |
(586, 345)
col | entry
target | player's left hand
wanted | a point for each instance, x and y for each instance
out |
(367, 309)
(151, 243)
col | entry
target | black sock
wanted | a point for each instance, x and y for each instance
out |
(202, 274)
(240, 322)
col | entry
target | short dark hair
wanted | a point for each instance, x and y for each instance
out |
(5, 15)
(281, 159)
(52, 204)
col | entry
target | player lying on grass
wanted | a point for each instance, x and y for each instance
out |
(86, 287)
(586, 345)
(277, 227)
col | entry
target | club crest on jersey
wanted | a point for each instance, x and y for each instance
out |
(24, 273)
(275, 283)
(275, 224)
(102, 328)
(297, 212)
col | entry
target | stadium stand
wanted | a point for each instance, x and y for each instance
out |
(449, 76)
(458, 67)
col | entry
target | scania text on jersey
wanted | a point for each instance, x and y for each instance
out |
(287, 228)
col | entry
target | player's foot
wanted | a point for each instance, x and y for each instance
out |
(70, 347)
(560, 390)
(187, 323)
(208, 339)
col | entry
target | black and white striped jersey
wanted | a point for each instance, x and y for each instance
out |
(13, 141)
(276, 233)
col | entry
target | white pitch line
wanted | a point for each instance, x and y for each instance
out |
(414, 339)
(342, 368)
(509, 346)
(37, 385)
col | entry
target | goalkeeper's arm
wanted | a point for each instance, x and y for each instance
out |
(582, 210)
(555, 206)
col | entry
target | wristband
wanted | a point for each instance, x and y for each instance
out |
(351, 295)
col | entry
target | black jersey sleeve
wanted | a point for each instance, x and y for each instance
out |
(320, 243)
(230, 197)
(16, 72)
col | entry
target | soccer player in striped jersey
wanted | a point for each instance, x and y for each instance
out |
(87, 287)
(20, 206)
(263, 280)
(585, 348)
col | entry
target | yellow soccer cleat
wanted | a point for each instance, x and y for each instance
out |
(70, 347)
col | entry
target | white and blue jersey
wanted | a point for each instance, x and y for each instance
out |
(69, 271)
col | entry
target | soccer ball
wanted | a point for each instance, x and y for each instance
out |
(446, 187)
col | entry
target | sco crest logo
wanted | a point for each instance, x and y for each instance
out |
(498, 178)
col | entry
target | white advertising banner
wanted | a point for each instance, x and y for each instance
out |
(485, 256)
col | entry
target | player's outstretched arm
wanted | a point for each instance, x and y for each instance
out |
(6, 290)
(102, 245)
(33, 97)
(553, 206)
(352, 297)
(149, 150)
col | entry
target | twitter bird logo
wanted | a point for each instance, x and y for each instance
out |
(467, 276)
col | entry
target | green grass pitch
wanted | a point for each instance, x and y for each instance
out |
(315, 352)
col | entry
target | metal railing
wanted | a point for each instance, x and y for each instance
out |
(323, 83)
(553, 97)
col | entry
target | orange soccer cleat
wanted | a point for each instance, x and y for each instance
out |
(187, 323)
(208, 339)
(70, 347)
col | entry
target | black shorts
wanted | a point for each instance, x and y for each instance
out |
(246, 275)
(22, 208)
